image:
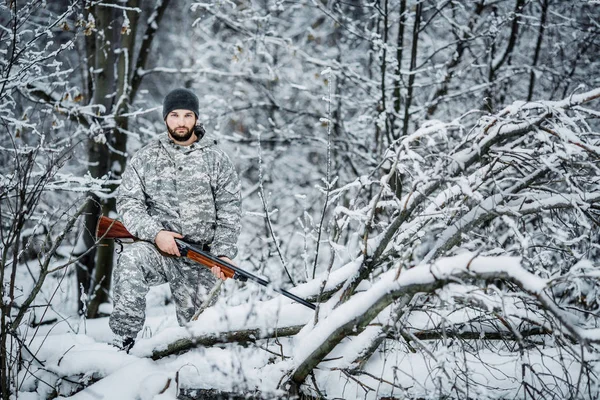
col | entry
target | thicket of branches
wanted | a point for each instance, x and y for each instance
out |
(522, 182)
(373, 139)
(394, 65)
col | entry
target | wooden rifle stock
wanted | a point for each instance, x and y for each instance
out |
(109, 228)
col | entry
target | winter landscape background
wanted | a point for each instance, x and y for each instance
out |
(425, 171)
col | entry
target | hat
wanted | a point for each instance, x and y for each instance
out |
(180, 99)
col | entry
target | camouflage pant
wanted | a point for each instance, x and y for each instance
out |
(141, 266)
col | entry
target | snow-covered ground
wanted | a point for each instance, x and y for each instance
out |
(74, 353)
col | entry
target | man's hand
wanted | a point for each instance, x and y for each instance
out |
(217, 270)
(165, 241)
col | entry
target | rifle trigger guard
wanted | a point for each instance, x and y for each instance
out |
(239, 277)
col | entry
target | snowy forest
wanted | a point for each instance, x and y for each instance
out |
(426, 172)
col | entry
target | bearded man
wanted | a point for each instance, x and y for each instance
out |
(181, 185)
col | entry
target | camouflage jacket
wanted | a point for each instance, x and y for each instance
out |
(193, 190)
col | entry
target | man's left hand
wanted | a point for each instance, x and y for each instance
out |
(217, 270)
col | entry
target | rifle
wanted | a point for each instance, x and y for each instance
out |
(109, 228)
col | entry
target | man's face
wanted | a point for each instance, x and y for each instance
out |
(180, 124)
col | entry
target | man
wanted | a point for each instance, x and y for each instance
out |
(178, 186)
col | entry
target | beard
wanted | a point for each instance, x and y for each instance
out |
(181, 136)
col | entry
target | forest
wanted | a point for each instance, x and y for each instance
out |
(426, 172)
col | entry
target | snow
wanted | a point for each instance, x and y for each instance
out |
(66, 353)
(138, 376)
(444, 269)
(492, 234)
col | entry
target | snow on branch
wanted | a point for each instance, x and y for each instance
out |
(520, 186)
(525, 160)
(316, 342)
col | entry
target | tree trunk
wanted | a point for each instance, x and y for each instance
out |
(538, 46)
(241, 336)
(98, 152)
(126, 83)
(399, 56)
(117, 156)
(413, 64)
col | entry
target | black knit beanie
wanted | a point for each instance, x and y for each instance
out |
(180, 99)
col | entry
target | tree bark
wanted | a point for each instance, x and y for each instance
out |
(399, 56)
(538, 47)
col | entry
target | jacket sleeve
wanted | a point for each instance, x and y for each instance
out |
(227, 195)
(131, 204)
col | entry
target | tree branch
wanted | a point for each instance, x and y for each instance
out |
(239, 336)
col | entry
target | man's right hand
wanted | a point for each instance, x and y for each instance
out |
(165, 241)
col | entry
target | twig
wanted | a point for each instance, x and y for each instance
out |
(214, 292)
(261, 194)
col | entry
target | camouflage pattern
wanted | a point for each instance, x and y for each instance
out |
(142, 266)
(193, 190)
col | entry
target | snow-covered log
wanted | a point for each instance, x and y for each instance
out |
(241, 337)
